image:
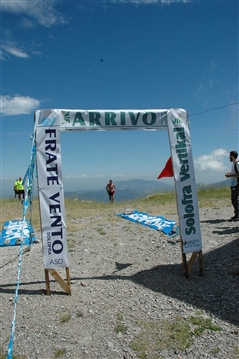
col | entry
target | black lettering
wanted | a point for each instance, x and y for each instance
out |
(51, 145)
(51, 132)
(51, 158)
(59, 233)
(57, 250)
(54, 196)
(53, 169)
(57, 222)
(54, 208)
(52, 179)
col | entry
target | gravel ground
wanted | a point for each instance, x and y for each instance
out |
(127, 281)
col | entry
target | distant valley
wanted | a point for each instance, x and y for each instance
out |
(131, 190)
(125, 190)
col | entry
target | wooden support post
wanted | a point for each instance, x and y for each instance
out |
(48, 291)
(187, 265)
(65, 285)
(184, 260)
(192, 260)
(200, 263)
(68, 279)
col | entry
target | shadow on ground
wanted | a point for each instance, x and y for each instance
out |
(217, 291)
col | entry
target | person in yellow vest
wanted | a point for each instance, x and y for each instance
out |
(20, 189)
(15, 188)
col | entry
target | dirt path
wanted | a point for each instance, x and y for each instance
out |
(128, 293)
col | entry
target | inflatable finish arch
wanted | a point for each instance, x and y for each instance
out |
(50, 122)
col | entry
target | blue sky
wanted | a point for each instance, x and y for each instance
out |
(119, 54)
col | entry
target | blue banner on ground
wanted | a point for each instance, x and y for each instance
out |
(16, 231)
(159, 223)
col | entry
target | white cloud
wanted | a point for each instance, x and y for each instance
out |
(45, 14)
(99, 176)
(18, 105)
(212, 162)
(41, 11)
(78, 176)
(120, 175)
(82, 176)
(27, 23)
(14, 51)
(174, 1)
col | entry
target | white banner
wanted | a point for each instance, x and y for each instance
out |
(83, 120)
(181, 151)
(51, 194)
(50, 121)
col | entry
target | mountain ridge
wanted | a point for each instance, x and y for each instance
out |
(131, 190)
(125, 190)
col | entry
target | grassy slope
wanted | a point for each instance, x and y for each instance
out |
(156, 204)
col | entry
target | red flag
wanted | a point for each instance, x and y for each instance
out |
(168, 169)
